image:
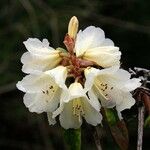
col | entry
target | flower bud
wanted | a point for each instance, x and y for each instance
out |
(73, 27)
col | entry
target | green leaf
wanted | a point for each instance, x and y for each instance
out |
(147, 122)
(73, 138)
(111, 116)
(118, 129)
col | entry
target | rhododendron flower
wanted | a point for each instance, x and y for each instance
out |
(92, 45)
(43, 90)
(74, 82)
(112, 86)
(76, 105)
(40, 56)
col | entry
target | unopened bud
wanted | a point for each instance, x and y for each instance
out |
(73, 27)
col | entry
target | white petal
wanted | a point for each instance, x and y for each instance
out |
(132, 84)
(50, 81)
(91, 73)
(40, 102)
(118, 86)
(93, 100)
(91, 116)
(76, 90)
(36, 83)
(59, 74)
(106, 56)
(51, 120)
(67, 119)
(122, 75)
(127, 101)
(32, 63)
(90, 76)
(37, 47)
(105, 102)
(89, 38)
(118, 97)
(127, 84)
(107, 42)
(120, 79)
(65, 97)
(45, 42)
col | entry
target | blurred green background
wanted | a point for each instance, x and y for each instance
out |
(126, 22)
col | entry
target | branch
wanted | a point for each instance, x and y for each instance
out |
(140, 127)
(97, 138)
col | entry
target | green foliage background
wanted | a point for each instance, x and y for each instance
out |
(126, 22)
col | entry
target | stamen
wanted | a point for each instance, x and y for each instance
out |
(51, 87)
(77, 108)
(100, 91)
(47, 92)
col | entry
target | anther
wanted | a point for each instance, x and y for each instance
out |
(47, 92)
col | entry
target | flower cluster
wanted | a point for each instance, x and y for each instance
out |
(74, 83)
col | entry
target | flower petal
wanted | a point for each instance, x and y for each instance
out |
(67, 119)
(36, 83)
(91, 73)
(127, 101)
(107, 42)
(39, 102)
(93, 100)
(37, 47)
(44, 82)
(59, 74)
(112, 86)
(32, 63)
(51, 120)
(76, 90)
(91, 116)
(65, 97)
(89, 38)
(106, 56)
(132, 84)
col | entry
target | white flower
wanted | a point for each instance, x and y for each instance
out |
(45, 86)
(112, 86)
(40, 56)
(75, 105)
(43, 90)
(92, 45)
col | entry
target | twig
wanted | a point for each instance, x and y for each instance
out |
(140, 127)
(141, 95)
(97, 139)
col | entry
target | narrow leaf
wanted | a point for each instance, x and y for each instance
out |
(118, 129)
(73, 138)
(147, 122)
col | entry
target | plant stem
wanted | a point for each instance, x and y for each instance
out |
(140, 127)
(97, 139)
